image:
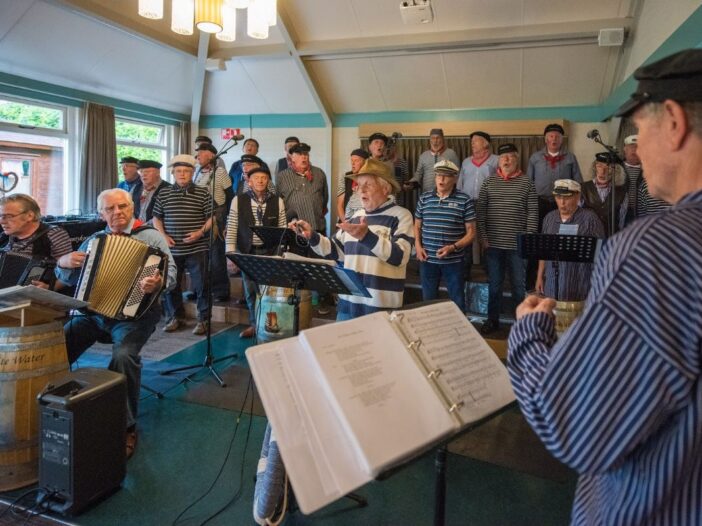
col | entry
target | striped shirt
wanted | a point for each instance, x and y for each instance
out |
(221, 182)
(543, 176)
(424, 174)
(647, 204)
(443, 223)
(619, 397)
(573, 278)
(58, 238)
(472, 176)
(505, 209)
(184, 210)
(233, 220)
(633, 174)
(304, 199)
(380, 258)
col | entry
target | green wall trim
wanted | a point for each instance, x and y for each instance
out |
(53, 93)
(267, 120)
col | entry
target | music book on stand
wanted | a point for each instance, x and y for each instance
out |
(351, 400)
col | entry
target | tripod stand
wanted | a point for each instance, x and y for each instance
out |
(209, 361)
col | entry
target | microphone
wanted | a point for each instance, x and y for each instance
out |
(593, 134)
(239, 137)
(396, 135)
(291, 215)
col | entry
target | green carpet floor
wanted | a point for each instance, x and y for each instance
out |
(184, 443)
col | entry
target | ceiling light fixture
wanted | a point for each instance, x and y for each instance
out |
(215, 16)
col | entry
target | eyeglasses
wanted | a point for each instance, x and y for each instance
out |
(4, 217)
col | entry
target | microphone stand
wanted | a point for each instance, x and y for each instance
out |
(209, 360)
(618, 160)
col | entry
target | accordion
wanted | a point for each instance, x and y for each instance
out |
(110, 277)
(21, 269)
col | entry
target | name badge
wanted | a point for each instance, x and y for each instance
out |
(568, 230)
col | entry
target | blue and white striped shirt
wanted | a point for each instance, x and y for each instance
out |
(444, 222)
(380, 258)
(619, 397)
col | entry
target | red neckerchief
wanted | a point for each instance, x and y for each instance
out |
(307, 173)
(553, 160)
(137, 223)
(508, 177)
(481, 161)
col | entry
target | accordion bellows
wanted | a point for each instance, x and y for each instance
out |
(110, 277)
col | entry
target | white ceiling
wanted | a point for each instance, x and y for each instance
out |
(339, 56)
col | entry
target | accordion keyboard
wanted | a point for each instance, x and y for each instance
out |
(134, 300)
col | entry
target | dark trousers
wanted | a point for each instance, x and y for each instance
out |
(497, 261)
(127, 338)
(196, 265)
(220, 276)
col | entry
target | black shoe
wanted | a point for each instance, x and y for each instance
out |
(221, 297)
(489, 327)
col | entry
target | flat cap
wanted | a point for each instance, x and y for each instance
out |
(203, 138)
(360, 152)
(259, 169)
(436, 131)
(205, 146)
(378, 135)
(299, 148)
(129, 160)
(604, 157)
(677, 77)
(482, 134)
(145, 163)
(248, 158)
(554, 127)
(506, 148)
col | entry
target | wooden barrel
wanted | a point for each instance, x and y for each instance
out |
(30, 357)
(566, 313)
(274, 315)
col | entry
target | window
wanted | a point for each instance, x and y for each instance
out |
(34, 145)
(32, 115)
(141, 140)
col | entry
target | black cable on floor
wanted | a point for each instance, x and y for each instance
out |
(249, 389)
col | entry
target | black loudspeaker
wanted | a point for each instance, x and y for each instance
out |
(82, 434)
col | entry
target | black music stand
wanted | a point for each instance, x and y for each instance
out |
(558, 247)
(281, 239)
(299, 274)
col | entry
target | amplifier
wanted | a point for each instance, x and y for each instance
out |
(79, 228)
(82, 435)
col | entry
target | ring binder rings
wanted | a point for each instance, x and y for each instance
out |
(348, 402)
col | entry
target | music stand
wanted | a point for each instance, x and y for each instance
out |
(558, 247)
(281, 240)
(299, 274)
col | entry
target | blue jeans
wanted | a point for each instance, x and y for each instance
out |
(127, 338)
(453, 273)
(496, 260)
(196, 264)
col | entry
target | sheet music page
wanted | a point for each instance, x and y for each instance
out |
(382, 397)
(320, 458)
(470, 370)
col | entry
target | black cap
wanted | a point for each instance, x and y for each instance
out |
(506, 148)
(203, 138)
(207, 147)
(247, 158)
(360, 152)
(300, 148)
(145, 163)
(378, 135)
(554, 127)
(259, 169)
(677, 77)
(605, 157)
(129, 160)
(292, 138)
(482, 134)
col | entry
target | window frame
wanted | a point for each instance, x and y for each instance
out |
(39, 130)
